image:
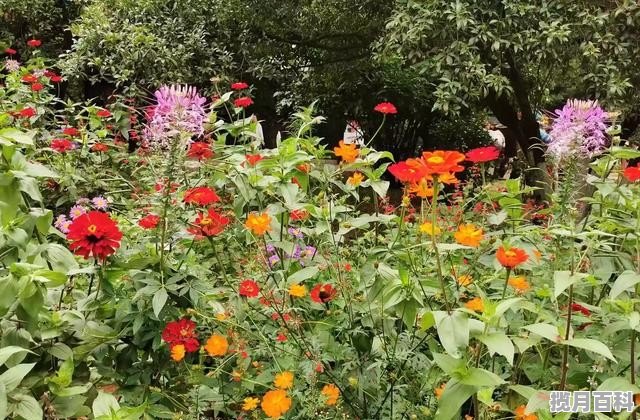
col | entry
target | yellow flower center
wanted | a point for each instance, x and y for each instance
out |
(509, 254)
(206, 221)
(92, 228)
(435, 160)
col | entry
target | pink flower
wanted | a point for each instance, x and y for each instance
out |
(386, 108)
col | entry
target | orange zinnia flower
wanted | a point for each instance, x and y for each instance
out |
(442, 161)
(422, 189)
(258, 223)
(217, 345)
(511, 257)
(347, 152)
(439, 390)
(332, 393)
(411, 170)
(521, 414)
(469, 235)
(355, 179)
(519, 283)
(283, 380)
(275, 403)
(177, 352)
(476, 304)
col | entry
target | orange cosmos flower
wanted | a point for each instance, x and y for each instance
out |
(258, 223)
(511, 257)
(439, 390)
(464, 280)
(521, 414)
(283, 380)
(442, 161)
(297, 290)
(275, 403)
(421, 188)
(217, 345)
(469, 235)
(347, 152)
(476, 304)
(355, 179)
(332, 393)
(448, 178)
(177, 352)
(519, 283)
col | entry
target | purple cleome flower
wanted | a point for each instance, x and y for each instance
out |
(579, 129)
(178, 110)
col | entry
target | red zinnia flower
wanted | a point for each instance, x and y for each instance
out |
(29, 78)
(200, 150)
(300, 214)
(483, 154)
(71, 131)
(9, 51)
(386, 108)
(27, 112)
(576, 307)
(100, 147)
(209, 224)
(34, 43)
(182, 332)
(511, 257)
(408, 171)
(202, 196)
(249, 288)
(253, 159)
(281, 338)
(239, 86)
(150, 221)
(323, 293)
(632, 173)
(37, 87)
(94, 234)
(243, 102)
(61, 145)
(54, 78)
(103, 113)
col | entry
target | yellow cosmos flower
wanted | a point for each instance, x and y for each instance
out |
(250, 403)
(297, 290)
(347, 152)
(275, 403)
(429, 229)
(476, 304)
(283, 380)
(355, 179)
(177, 352)
(332, 393)
(258, 223)
(217, 345)
(469, 235)
(439, 390)
(519, 283)
(464, 280)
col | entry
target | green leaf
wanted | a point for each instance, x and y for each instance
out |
(7, 352)
(38, 170)
(591, 345)
(563, 279)
(455, 394)
(104, 405)
(27, 407)
(505, 305)
(624, 153)
(526, 391)
(50, 278)
(548, 331)
(61, 351)
(380, 187)
(480, 378)
(30, 186)
(159, 300)
(3, 402)
(453, 330)
(625, 281)
(16, 136)
(64, 375)
(448, 364)
(499, 343)
(304, 274)
(13, 376)
(618, 384)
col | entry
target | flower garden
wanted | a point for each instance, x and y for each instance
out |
(202, 275)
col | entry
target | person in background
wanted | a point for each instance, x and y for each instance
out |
(491, 127)
(353, 134)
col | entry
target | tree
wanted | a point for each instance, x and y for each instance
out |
(517, 56)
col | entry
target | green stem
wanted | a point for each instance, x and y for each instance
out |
(506, 282)
(434, 209)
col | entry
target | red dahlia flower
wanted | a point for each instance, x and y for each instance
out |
(323, 293)
(61, 145)
(483, 154)
(632, 173)
(103, 113)
(150, 221)
(249, 288)
(386, 108)
(54, 78)
(182, 332)
(94, 234)
(100, 147)
(243, 102)
(10, 51)
(202, 196)
(239, 86)
(37, 87)
(208, 224)
(34, 43)
(200, 150)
